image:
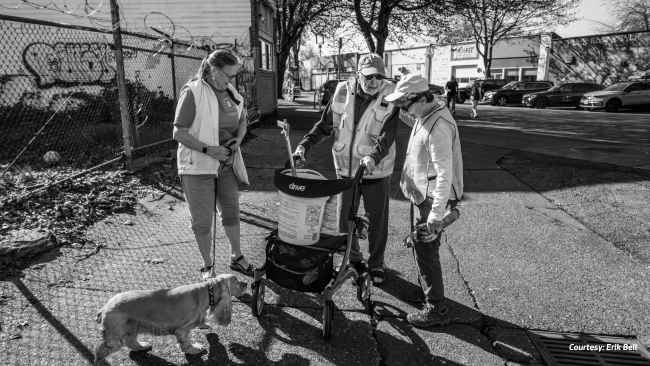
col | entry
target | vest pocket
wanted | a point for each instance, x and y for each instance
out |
(341, 156)
(338, 146)
(338, 108)
(377, 123)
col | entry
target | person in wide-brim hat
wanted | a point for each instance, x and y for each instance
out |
(432, 179)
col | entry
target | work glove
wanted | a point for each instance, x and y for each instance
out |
(369, 163)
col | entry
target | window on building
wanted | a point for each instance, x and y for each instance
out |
(267, 55)
(496, 73)
(529, 74)
(512, 75)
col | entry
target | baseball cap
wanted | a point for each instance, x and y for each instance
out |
(410, 83)
(371, 64)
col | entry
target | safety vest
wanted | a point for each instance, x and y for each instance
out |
(418, 178)
(205, 128)
(352, 143)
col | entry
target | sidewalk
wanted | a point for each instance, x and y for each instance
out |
(514, 261)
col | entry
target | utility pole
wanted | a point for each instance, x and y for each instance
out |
(121, 82)
(338, 77)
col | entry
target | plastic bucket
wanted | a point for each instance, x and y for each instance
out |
(300, 219)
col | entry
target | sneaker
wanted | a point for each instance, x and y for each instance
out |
(427, 317)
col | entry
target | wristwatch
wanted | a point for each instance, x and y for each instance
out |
(204, 150)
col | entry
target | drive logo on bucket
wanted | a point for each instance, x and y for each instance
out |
(297, 188)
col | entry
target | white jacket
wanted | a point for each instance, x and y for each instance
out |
(205, 128)
(434, 162)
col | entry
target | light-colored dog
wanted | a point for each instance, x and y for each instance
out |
(173, 311)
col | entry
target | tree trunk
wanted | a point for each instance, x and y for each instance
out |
(296, 61)
(280, 69)
(381, 44)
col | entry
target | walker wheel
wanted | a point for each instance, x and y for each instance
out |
(328, 315)
(363, 293)
(363, 287)
(258, 298)
(368, 306)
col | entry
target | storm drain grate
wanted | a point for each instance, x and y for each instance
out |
(582, 349)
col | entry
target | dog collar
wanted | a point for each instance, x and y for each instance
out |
(211, 294)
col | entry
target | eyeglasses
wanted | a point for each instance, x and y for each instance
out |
(230, 77)
(376, 76)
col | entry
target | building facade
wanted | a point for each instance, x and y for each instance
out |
(603, 59)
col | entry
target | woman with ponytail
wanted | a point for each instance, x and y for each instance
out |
(209, 126)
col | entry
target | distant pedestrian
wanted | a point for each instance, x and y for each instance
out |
(432, 179)
(475, 95)
(209, 127)
(452, 93)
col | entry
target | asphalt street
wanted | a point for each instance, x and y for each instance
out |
(525, 255)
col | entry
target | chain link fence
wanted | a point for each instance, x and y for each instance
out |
(59, 99)
(61, 120)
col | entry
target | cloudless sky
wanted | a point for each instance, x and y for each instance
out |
(589, 10)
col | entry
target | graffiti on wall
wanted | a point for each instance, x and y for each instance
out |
(246, 86)
(68, 64)
(603, 59)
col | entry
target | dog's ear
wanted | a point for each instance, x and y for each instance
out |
(223, 309)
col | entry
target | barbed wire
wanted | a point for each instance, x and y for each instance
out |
(89, 10)
(94, 14)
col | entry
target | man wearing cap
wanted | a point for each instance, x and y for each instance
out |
(364, 125)
(432, 179)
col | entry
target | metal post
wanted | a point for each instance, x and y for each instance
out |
(338, 77)
(173, 70)
(121, 82)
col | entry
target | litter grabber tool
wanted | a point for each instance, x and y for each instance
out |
(421, 231)
(285, 131)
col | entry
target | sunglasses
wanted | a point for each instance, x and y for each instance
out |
(376, 76)
(405, 108)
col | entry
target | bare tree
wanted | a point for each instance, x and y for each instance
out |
(307, 52)
(491, 21)
(381, 20)
(626, 16)
(292, 17)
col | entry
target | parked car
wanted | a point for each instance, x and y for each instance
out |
(567, 94)
(437, 89)
(326, 90)
(642, 76)
(614, 97)
(513, 92)
(487, 84)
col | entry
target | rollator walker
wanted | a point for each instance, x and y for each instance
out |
(310, 268)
